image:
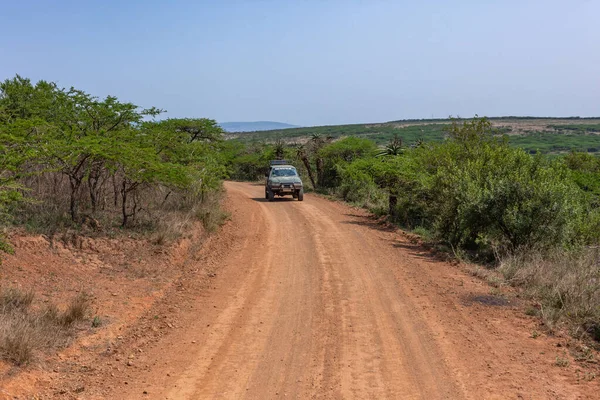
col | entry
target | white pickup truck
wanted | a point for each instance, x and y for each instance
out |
(283, 179)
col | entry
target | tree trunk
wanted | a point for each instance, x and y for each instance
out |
(319, 163)
(96, 181)
(124, 203)
(135, 208)
(75, 180)
(125, 189)
(74, 205)
(93, 194)
(309, 170)
(393, 206)
(115, 191)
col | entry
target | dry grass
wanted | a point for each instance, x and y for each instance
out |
(181, 212)
(163, 214)
(172, 225)
(567, 285)
(211, 215)
(26, 331)
(490, 276)
(76, 310)
(14, 299)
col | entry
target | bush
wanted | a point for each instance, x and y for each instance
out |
(338, 153)
(357, 186)
(251, 163)
(476, 192)
(494, 195)
(400, 181)
(586, 174)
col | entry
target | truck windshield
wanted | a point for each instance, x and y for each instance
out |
(284, 172)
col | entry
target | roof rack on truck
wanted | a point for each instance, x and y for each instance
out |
(279, 162)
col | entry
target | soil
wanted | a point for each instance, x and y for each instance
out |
(298, 300)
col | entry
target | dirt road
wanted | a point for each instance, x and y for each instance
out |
(314, 300)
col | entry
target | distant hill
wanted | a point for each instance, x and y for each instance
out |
(254, 126)
(534, 134)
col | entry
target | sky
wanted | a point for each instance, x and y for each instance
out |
(315, 62)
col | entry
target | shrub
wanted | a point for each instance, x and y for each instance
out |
(586, 174)
(475, 192)
(506, 198)
(358, 186)
(486, 194)
(338, 153)
(400, 181)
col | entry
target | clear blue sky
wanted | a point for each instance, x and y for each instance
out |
(312, 62)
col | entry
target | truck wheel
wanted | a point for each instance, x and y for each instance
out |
(301, 195)
(270, 195)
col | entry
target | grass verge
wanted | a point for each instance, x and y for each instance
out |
(566, 284)
(26, 330)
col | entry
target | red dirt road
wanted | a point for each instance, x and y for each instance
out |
(314, 300)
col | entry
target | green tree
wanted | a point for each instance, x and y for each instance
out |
(401, 178)
(343, 151)
(83, 138)
(98, 142)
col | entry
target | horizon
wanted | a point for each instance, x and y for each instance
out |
(573, 117)
(315, 63)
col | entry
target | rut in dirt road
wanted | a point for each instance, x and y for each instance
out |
(312, 302)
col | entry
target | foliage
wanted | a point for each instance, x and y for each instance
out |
(485, 193)
(586, 173)
(251, 162)
(342, 152)
(476, 192)
(502, 197)
(348, 149)
(98, 151)
(399, 178)
(394, 147)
